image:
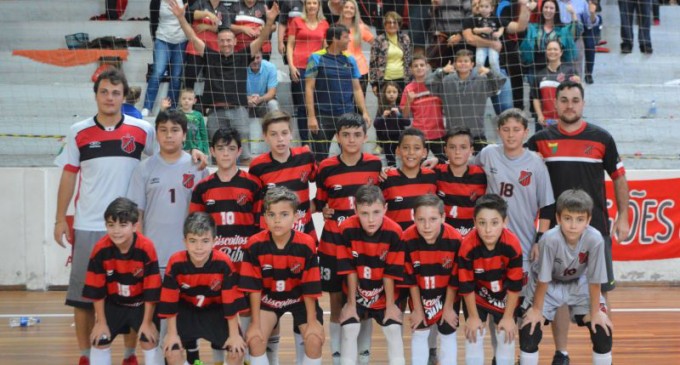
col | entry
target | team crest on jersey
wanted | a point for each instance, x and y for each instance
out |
(304, 176)
(370, 181)
(588, 150)
(215, 285)
(188, 181)
(138, 272)
(560, 77)
(474, 196)
(242, 199)
(447, 263)
(127, 143)
(383, 255)
(525, 178)
(583, 257)
(553, 147)
(296, 269)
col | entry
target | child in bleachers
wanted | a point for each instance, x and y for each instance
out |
(389, 121)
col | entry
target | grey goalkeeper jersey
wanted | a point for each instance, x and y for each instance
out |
(163, 191)
(559, 262)
(524, 183)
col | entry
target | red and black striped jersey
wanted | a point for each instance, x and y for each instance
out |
(401, 192)
(432, 267)
(230, 203)
(372, 258)
(214, 284)
(490, 274)
(283, 276)
(336, 183)
(127, 279)
(459, 195)
(295, 174)
(577, 160)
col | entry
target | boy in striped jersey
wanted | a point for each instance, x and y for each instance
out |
(200, 297)
(280, 270)
(337, 181)
(432, 277)
(489, 280)
(402, 186)
(124, 283)
(372, 257)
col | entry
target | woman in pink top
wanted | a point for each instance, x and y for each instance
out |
(358, 32)
(306, 35)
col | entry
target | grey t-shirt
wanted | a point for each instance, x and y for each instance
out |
(524, 183)
(558, 262)
(163, 192)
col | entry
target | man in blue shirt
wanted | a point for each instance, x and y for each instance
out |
(332, 88)
(261, 87)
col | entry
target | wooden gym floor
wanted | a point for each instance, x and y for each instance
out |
(646, 331)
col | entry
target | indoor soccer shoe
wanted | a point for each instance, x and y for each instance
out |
(132, 360)
(560, 359)
(84, 360)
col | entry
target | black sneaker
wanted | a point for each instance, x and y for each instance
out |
(589, 79)
(560, 359)
(646, 49)
(493, 361)
(626, 48)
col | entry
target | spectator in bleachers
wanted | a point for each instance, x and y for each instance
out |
(168, 53)
(290, 9)
(447, 26)
(358, 33)
(227, 75)
(546, 80)
(248, 18)
(419, 20)
(332, 9)
(585, 41)
(262, 83)
(131, 99)
(306, 34)
(464, 93)
(487, 25)
(389, 122)
(533, 47)
(207, 17)
(391, 55)
(332, 88)
(627, 11)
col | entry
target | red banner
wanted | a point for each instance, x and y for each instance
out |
(654, 214)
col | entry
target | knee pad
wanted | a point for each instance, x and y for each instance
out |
(602, 343)
(529, 343)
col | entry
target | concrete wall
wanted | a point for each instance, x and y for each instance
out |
(32, 259)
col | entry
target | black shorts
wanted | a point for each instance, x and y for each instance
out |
(366, 313)
(121, 319)
(207, 323)
(443, 328)
(611, 282)
(484, 313)
(328, 265)
(299, 312)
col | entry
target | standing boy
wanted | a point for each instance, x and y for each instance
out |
(200, 298)
(464, 93)
(280, 271)
(459, 184)
(520, 177)
(124, 282)
(569, 271)
(372, 257)
(490, 279)
(402, 186)
(338, 179)
(292, 167)
(432, 277)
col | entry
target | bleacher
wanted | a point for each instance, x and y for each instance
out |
(40, 101)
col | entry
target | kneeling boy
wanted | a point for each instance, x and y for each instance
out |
(569, 271)
(200, 298)
(280, 270)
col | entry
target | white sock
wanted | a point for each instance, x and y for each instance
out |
(299, 348)
(217, 356)
(153, 356)
(505, 352)
(273, 349)
(395, 344)
(308, 361)
(449, 349)
(364, 341)
(259, 360)
(244, 323)
(602, 359)
(336, 339)
(350, 332)
(100, 356)
(419, 346)
(526, 358)
(474, 352)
